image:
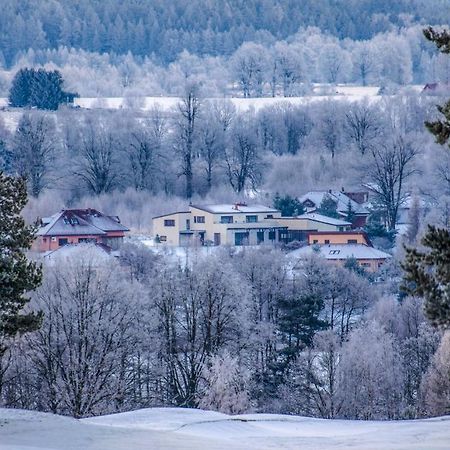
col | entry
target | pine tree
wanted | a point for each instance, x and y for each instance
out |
(17, 275)
(350, 214)
(328, 207)
(288, 205)
(428, 274)
(40, 88)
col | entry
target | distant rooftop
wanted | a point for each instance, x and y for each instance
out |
(340, 251)
(235, 208)
(340, 197)
(74, 222)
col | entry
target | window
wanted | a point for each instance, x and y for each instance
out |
(66, 221)
(62, 241)
(241, 238)
(199, 219)
(86, 240)
(365, 264)
(74, 221)
(315, 241)
(327, 241)
(341, 228)
(162, 238)
(226, 219)
(271, 235)
(352, 241)
(169, 222)
(260, 237)
(251, 219)
(269, 216)
(334, 252)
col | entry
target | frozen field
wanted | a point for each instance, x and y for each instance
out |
(175, 428)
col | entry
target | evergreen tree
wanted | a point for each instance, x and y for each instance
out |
(17, 275)
(350, 214)
(39, 88)
(328, 207)
(299, 321)
(428, 274)
(20, 92)
(288, 206)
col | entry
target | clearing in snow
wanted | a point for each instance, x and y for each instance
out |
(177, 428)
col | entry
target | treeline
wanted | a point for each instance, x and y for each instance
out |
(235, 332)
(277, 68)
(208, 149)
(201, 27)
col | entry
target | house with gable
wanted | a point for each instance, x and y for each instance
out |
(313, 199)
(78, 226)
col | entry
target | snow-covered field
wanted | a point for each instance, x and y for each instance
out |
(176, 428)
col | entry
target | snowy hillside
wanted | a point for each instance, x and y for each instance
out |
(175, 428)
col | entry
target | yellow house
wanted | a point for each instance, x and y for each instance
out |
(225, 224)
(338, 237)
(300, 227)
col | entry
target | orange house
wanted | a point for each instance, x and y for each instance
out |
(77, 226)
(338, 237)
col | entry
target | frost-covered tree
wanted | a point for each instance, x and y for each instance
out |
(249, 65)
(371, 376)
(34, 151)
(85, 338)
(224, 388)
(186, 132)
(436, 385)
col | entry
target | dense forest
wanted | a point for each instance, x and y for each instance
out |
(163, 29)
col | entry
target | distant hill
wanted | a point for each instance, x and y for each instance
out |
(164, 28)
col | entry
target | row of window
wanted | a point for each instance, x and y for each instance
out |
(327, 241)
(223, 219)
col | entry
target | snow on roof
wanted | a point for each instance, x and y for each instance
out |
(235, 208)
(74, 222)
(340, 251)
(324, 219)
(342, 200)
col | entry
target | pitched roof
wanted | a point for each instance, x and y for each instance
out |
(324, 219)
(74, 222)
(342, 201)
(235, 208)
(340, 251)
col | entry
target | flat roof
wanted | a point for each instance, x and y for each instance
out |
(171, 214)
(235, 208)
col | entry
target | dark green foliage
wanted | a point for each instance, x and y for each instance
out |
(38, 88)
(17, 275)
(350, 214)
(427, 274)
(299, 321)
(375, 229)
(288, 206)
(440, 38)
(328, 207)
(200, 26)
(441, 128)
(353, 265)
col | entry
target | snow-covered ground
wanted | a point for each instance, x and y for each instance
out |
(176, 428)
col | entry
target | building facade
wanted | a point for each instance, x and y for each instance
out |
(225, 224)
(79, 226)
